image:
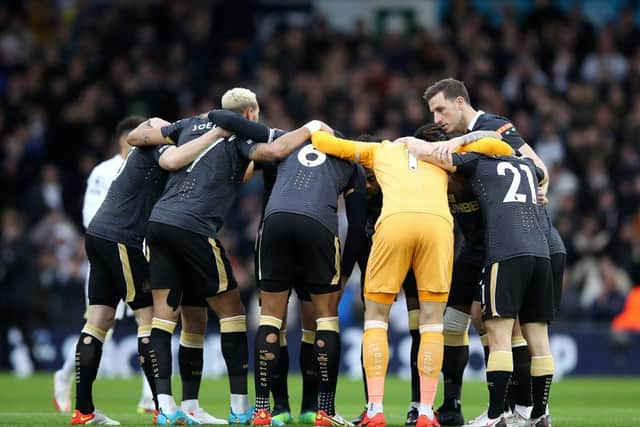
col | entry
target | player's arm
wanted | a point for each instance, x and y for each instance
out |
(355, 200)
(512, 137)
(444, 149)
(285, 144)
(237, 124)
(529, 152)
(359, 152)
(174, 158)
(426, 151)
(150, 132)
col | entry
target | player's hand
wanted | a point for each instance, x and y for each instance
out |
(542, 196)
(325, 127)
(442, 151)
(403, 140)
(417, 147)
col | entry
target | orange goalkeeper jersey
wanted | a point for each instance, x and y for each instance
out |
(408, 185)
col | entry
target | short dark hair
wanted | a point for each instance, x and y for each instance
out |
(128, 124)
(450, 88)
(431, 132)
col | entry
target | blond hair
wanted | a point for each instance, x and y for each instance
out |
(239, 99)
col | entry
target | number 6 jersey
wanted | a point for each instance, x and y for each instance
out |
(308, 182)
(505, 187)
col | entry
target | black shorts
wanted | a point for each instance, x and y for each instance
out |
(295, 249)
(301, 291)
(518, 287)
(558, 261)
(117, 272)
(465, 281)
(193, 266)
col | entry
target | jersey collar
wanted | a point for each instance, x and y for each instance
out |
(473, 121)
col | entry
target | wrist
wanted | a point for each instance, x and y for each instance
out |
(313, 126)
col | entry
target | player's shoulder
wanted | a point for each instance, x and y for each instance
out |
(490, 121)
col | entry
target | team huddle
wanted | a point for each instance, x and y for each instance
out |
(153, 244)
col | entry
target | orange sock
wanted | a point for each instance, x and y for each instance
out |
(430, 357)
(375, 351)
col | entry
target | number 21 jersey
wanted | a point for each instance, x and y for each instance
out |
(506, 190)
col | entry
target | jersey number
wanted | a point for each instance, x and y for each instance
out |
(512, 194)
(310, 157)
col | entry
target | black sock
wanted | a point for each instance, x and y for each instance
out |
(144, 352)
(266, 359)
(540, 390)
(88, 353)
(279, 386)
(327, 351)
(415, 377)
(521, 380)
(454, 361)
(497, 383)
(161, 360)
(364, 378)
(309, 378)
(235, 351)
(191, 361)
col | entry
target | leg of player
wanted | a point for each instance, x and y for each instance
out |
(162, 327)
(519, 391)
(542, 370)
(191, 362)
(499, 371)
(413, 310)
(327, 355)
(456, 356)
(375, 350)
(273, 307)
(430, 354)
(309, 403)
(479, 326)
(144, 318)
(235, 350)
(100, 318)
(279, 387)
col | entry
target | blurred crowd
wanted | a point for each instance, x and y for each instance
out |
(69, 70)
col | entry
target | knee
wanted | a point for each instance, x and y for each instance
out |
(194, 320)
(456, 321)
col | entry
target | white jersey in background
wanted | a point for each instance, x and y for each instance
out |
(98, 184)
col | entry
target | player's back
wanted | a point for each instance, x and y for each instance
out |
(123, 215)
(505, 187)
(309, 182)
(409, 185)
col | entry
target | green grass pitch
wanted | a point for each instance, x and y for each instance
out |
(574, 401)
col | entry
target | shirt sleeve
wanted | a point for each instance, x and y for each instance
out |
(504, 127)
(246, 146)
(488, 146)
(244, 128)
(172, 132)
(158, 151)
(359, 152)
(465, 163)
